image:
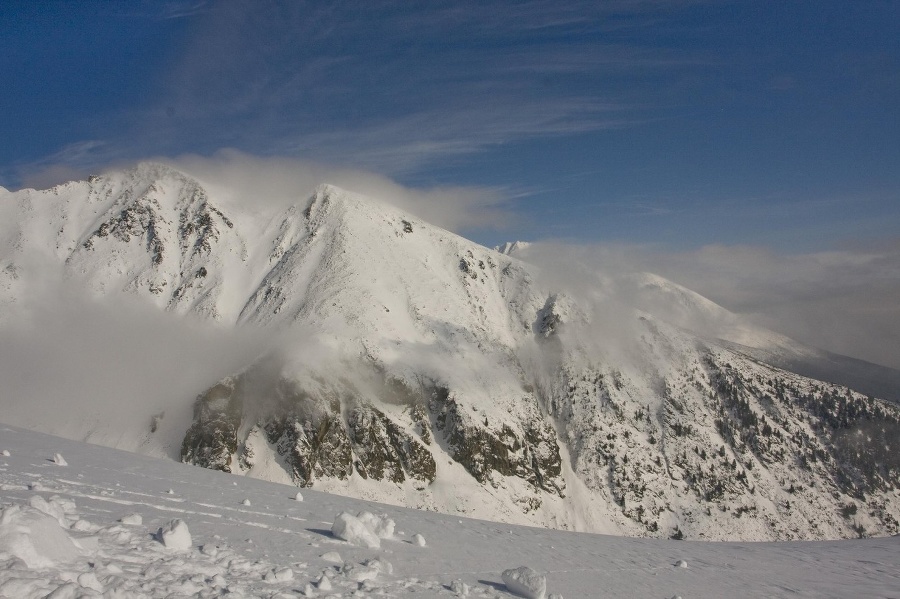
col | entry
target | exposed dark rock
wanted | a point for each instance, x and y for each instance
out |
(321, 434)
(211, 441)
(482, 451)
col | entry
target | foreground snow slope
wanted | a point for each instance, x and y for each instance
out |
(246, 534)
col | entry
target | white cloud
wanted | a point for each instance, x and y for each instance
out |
(72, 363)
(842, 300)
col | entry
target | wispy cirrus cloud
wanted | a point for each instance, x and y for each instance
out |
(397, 89)
(386, 85)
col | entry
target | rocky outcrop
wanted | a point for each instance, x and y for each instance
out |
(485, 448)
(327, 432)
(212, 439)
(335, 431)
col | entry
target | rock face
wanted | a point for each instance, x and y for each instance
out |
(419, 368)
(323, 432)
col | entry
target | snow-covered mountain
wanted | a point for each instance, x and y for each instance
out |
(416, 367)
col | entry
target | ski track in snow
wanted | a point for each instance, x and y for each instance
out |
(238, 552)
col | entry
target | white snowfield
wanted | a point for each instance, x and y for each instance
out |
(95, 528)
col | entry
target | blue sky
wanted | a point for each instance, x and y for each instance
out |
(676, 124)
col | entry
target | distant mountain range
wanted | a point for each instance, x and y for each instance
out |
(419, 368)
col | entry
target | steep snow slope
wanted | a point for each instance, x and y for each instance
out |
(250, 538)
(418, 368)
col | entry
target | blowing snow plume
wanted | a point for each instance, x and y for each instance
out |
(250, 182)
(110, 370)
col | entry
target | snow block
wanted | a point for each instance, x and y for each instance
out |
(279, 575)
(353, 530)
(324, 583)
(525, 582)
(132, 519)
(34, 537)
(382, 526)
(51, 508)
(175, 535)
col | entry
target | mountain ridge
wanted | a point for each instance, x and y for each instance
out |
(423, 369)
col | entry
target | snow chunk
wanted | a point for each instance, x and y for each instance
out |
(132, 519)
(51, 508)
(681, 564)
(5, 453)
(280, 575)
(382, 526)
(89, 580)
(333, 557)
(59, 460)
(82, 525)
(34, 537)
(359, 573)
(366, 529)
(419, 540)
(298, 496)
(460, 588)
(381, 565)
(175, 535)
(245, 502)
(324, 583)
(351, 529)
(525, 582)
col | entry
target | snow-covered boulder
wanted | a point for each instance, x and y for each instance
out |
(175, 535)
(525, 582)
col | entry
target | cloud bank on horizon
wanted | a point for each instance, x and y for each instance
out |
(746, 150)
